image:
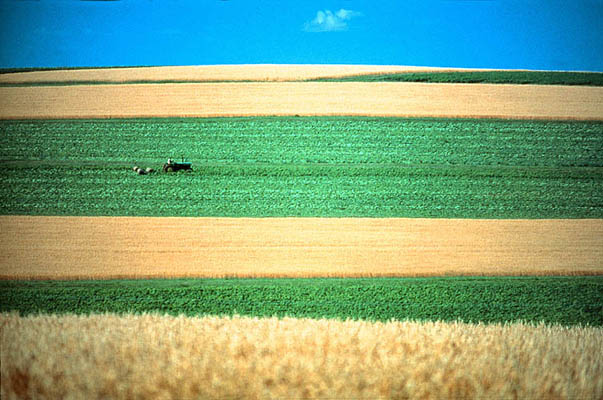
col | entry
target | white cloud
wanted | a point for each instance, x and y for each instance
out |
(327, 21)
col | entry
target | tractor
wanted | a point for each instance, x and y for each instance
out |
(174, 166)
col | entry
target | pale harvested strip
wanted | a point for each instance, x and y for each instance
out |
(399, 99)
(152, 356)
(254, 72)
(139, 247)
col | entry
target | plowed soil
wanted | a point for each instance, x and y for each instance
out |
(124, 247)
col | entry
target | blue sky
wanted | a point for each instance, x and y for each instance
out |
(549, 34)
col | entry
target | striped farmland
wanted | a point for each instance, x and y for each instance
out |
(369, 218)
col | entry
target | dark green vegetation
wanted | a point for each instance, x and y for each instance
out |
(563, 300)
(507, 77)
(317, 166)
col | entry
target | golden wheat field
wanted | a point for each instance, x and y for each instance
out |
(251, 72)
(152, 356)
(391, 99)
(134, 247)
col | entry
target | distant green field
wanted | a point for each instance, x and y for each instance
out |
(496, 77)
(563, 300)
(315, 166)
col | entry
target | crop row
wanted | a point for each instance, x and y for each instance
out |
(311, 140)
(319, 166)
(305, 190)
(477, 299)
(506, 77)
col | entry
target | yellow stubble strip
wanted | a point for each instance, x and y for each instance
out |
(143, 247)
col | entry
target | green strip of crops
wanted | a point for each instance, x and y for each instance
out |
(308, 140)
(306, 191)
(315, 166)
(496, 77)
(563, 300)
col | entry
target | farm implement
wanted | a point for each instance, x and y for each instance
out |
(169, 166)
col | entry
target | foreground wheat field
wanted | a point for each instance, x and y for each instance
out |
(134, 247)
(391, 99)
(152, 356)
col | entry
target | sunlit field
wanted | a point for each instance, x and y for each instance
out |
(160, 356)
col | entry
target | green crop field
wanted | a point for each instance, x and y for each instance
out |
(308, 140)
(315, 166)
(496, 77)
(476, 299)
(261, 191)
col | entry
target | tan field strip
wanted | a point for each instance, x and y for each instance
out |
(252, 72)
(135, 247)
(303, 98)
